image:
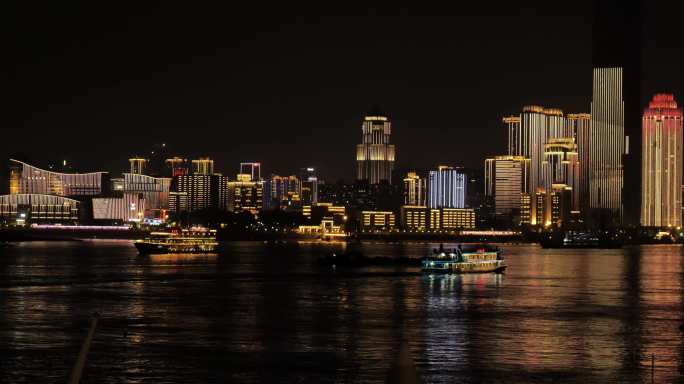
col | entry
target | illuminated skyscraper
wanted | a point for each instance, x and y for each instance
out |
(560, 169)
(661, 199)
(375, 154)
(203, 166)
(614, 156)
(447, 188)
(607, 137)
(176, 166)
(506, 178)
(580, 124)
(415, 190)
(309, 181)
(138, 165)
(197, 192)
(245, 194)
(529, 133)
(251, 169)
(514, 141)
(285, 190)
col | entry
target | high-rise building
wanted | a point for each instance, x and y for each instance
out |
(555, 201)
(560, 166)
(195, 192)
(415, 190)
(203, 166)
(285, 191)
(506, 178)
(560, 169)
(607, 138)
(514, 131)
(309, 181)
(375, 155)
(176, 166)
(615, 173)
(154, 191)
(447, 188)
(138, 165)
(580, 125)
(245, 194)
(661, 201)
(529, 133)
(251, 169)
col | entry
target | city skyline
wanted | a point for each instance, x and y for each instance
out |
(581, 167)
(322, 192)
(428, 111)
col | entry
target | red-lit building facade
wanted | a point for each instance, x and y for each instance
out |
(661, 184)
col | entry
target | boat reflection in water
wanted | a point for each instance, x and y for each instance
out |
(194, 240)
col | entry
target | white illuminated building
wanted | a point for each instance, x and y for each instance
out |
(447, 188)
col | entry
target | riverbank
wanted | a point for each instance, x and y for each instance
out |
(68, 233)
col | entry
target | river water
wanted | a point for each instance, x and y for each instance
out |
(254, 313)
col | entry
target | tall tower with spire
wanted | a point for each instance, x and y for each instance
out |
(375, 154)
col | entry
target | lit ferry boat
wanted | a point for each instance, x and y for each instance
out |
(477, 259)
(194, 240)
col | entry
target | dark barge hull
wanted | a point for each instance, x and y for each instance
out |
(148, 249)
(462, 272)
(155, 249)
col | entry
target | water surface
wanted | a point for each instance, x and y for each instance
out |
(254, 313)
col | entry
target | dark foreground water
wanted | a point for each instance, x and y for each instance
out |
(259, 314)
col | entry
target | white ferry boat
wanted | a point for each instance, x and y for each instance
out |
(194, 240)
(473, 259)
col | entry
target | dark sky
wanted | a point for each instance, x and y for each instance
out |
(288, 85)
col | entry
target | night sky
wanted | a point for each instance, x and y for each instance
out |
(288, 85)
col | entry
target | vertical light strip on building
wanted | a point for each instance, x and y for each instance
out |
(27, 179)
(414, 189)
(579, 125)
(505, 180)
(661, 200)
(529, 133)
(607, 137)
(447, 188)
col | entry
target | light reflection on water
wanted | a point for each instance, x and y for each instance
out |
(254, 313)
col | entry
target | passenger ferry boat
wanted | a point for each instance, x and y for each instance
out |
(477, 259)
(194, 240)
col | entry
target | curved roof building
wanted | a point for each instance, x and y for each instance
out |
(27, 179)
